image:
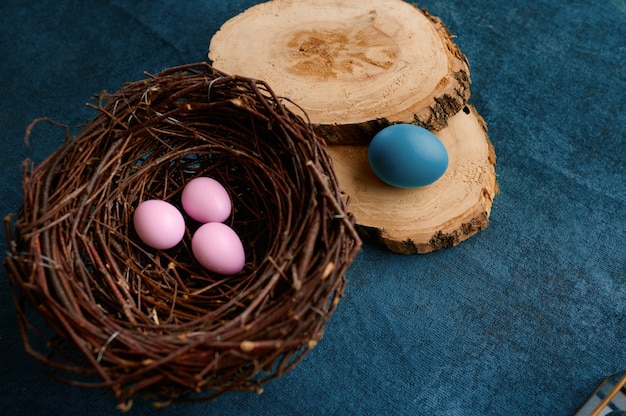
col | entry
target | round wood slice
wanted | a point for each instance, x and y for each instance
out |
(422, 220)
(354, 66)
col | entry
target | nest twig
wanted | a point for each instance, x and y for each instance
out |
(141, 321)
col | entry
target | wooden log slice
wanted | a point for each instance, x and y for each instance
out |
(354, 66)
(440, 215)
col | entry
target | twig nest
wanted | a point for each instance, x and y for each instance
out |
(143, 321)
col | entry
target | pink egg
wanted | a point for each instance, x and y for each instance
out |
(206, 200)
(159, 224)
(217, 247)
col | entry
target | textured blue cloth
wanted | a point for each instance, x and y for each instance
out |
(525, 318)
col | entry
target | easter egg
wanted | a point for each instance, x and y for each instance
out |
(218, 248)
(206, 200)
(407, 156)
(159, 224)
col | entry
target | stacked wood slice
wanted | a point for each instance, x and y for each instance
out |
(354, 67)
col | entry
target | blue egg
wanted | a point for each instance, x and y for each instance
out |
(407, 156)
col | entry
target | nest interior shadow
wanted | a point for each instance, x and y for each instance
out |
(144, 321)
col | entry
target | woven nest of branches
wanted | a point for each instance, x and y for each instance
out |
(145, 322)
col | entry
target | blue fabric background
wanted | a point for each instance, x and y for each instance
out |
(526, 318)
